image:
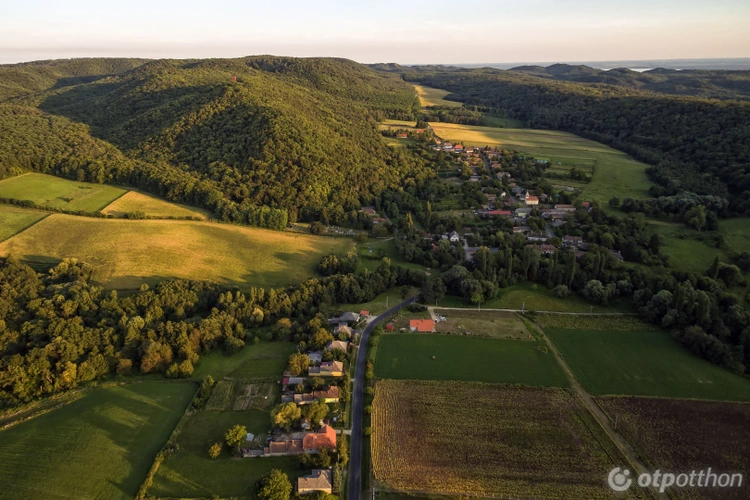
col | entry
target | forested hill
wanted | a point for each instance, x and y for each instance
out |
(694, 144)
(227, 134)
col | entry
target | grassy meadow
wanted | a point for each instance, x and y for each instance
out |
(615, 173)
(482, 324)
(264, 359)
(13, 220)
(127, 253)
(100, 446)
(644, 364)
(369, 250)
(452, 357)
(152, 207)
(429, 96)
(55, 192)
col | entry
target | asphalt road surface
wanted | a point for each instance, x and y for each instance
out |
(355, 459)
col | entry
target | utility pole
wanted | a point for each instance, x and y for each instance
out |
(523, 306)
(591, 309)
(386, 307)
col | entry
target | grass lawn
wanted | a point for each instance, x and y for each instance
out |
(13, 220)
(644, 364)
(151, 206)
(736, 233)
(100, 446)
(192, 473)
(434, 97)
(56, 192)
(534, 297)
(482, 324)
(264, 359)
(127, 253)
(410, 356)
(690, 250)
(368, 255)
(615, 173)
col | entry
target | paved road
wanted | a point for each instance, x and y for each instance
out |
(355, 459)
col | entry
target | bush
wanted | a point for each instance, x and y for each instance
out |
(215, 450)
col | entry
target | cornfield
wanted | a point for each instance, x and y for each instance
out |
(488, 440)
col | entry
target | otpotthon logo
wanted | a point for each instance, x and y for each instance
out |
(619, 479)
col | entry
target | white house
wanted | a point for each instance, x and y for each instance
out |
(454, 237)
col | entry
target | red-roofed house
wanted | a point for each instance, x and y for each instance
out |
(499, 213)
(530, 200)
(422, 325)
(364, 313)
(316, 441)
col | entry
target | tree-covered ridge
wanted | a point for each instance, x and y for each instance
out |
(693, 144)
(293, 134)
(27, 78)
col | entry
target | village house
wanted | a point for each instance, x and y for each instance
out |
(296, 443)
(329, 395)
(378, 220)
(327, 369)
(368, 211)
(537, 237)
(337, 344)
(345, 329)
(523, 212)
(572, 241)
(318, 480)
(546, 249)
(565, 208)
(292, 380)
(616, 254)
(363, 313)
(455, 238)
(499, 213)
(316, 357)
(475, 178)
(422, 325)
(402, 136)
(521, 229)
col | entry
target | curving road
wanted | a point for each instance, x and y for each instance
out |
(355, 460)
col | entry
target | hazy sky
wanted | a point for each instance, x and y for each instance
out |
(407, 32)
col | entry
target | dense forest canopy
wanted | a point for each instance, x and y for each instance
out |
(297, 135)
(693, 144)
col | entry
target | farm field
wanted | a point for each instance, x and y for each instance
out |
(55, 192)
(190, 472)
(681, 435)
(644, 364)
(152, 207)
(615, 173)
(486, 439)
(13, 220)
(482, 324)
(128, 253)
(429, 96)
(535, 297)
(608, 323)
(261, 360)
(410, 357)
(100, 446)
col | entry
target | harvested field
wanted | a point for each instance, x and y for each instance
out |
(595, 322)
(134, 201)
(482, 324)
(488, 440)
(683, 435)
(429, 96)
(128, 253)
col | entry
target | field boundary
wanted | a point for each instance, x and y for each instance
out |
(169, 447)
(25, 228)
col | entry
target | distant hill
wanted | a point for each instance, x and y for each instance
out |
(224, 134)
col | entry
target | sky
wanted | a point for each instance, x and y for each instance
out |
(405, 32)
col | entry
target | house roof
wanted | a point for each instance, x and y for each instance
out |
(324, 438)
(333, 366)
(499, 212)
(364, 312)
(338, 344)
(317, 480)
(422, 325)
(331, 392)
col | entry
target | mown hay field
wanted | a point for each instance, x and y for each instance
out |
(482, 324)
(615, 173)
(191, 473)
(682, 435)
(488, 440)
(429, 96)
(255, 360)
(55, 192)
(13, 220)
(644, 364)
(99, 446)
(134, 201)
(128, 253)
(422, 356)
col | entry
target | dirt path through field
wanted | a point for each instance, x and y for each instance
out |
(622, 444)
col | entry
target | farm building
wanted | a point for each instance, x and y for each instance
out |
(318, 480)
(422, 325)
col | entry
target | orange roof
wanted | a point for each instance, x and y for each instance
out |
(364, 313)
(324, 438)
(422, 325)
(532, 198)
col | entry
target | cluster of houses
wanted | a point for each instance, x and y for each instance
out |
(306, 440)
(373, 214)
